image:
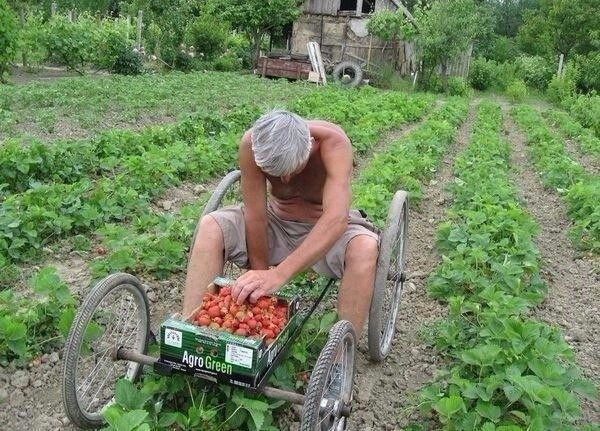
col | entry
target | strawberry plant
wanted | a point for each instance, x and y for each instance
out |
(562, 173)
(409, 161)
(35, 323)
(586, 140)
(505, 370)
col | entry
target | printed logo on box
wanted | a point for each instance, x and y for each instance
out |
(173, 338)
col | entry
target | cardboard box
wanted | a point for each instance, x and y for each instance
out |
(218, 355)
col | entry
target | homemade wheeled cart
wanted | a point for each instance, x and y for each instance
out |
(110, 334)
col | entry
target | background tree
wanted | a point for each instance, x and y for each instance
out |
(561, 27)
(256, 18)
(446, 29)
(8, 37)
(390, 27)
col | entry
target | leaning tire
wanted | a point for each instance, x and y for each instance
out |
(389, 279)
(114, 314)
(322, 409)
(348, 73)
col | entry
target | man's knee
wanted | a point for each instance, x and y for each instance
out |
(362, 251)
(209, 233)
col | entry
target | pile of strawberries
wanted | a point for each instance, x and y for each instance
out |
(265, 319)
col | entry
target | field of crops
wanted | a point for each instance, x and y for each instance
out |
(107, 174)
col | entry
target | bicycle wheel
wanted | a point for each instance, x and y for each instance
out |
(114, 314)
(328, 399)
(389, 279)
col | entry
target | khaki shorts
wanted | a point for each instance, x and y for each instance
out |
(284, 236)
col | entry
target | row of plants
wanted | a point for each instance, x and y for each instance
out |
(505, 371)
(362, 117)
(581, 190)
(27, 165)
(585, 138)
(84, 106)
(409, 161)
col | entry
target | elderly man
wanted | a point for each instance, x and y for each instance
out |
(305, 222)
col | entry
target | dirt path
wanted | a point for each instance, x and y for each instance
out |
(385, 394)
(573, 302)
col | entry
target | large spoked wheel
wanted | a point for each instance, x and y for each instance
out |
(328, 399)
(227, 193)
(389, 279)
(114, 314)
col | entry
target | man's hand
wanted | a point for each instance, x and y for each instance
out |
(256, 283)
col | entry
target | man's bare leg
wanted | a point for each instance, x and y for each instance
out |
(206, 262)
(356, 289)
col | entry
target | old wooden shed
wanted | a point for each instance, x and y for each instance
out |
(340, 28)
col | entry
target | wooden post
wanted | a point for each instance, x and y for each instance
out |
(22, 23)
(560, 65)
(359, 5)
(138, 42)
(369, 51)
(71, 15)
(53, 9)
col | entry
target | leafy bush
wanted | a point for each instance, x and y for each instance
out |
(70, 43)
(457, 86)
(501, 49)
(128, 62)
(32, 37)
(588, 68)
(560, 89)
(240, 45)
(434, 84)
(110, 42)
(8, 37)
(207, 35)
(227, 62)
(586, 110)
(516, 91)
(183, 61)
(481, 73)
(535, 71)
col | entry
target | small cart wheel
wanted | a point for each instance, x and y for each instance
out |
(114, 314)
(328, 400)
(389, 279)
(228, 189)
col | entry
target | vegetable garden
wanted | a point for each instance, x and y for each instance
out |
(110, 174)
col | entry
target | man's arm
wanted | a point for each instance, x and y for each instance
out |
(254, 193)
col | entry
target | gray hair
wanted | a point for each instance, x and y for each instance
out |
(280, 142)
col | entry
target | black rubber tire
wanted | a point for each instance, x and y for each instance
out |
(348, 68)
(341, 335)
(382, 321)
(76, 413)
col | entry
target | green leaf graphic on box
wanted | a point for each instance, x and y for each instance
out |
(128, 396)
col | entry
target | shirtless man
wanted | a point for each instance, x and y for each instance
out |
(306, 222)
